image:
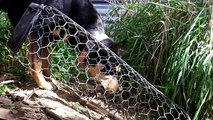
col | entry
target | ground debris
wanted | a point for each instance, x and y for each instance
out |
(40, 104)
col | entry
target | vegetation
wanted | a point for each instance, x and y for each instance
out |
(4, 35)
(170, 44)
(7, 62)
(63, 54)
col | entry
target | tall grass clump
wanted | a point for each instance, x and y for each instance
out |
(170, 43)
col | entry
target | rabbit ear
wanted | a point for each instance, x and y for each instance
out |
(118, 48)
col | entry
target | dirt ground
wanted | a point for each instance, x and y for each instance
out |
(27, 102)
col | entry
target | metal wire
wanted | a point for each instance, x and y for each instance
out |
(136, 98)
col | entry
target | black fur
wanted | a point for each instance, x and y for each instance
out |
(81, 11)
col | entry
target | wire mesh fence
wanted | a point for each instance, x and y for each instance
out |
(87, 71)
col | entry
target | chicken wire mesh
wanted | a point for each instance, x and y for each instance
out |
(136, 97)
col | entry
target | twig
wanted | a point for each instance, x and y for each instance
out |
(23, 118)
(51, 114)
(101, 110)
(8, 82)
(91, 105)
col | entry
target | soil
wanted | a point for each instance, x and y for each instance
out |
(27, 102)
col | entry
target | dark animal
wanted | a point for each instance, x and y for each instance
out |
(83, 13)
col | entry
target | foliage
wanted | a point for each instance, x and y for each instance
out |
(62, 60)
(7, 62)
(170, 44)
(4, 35)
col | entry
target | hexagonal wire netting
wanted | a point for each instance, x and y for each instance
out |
(137, 98)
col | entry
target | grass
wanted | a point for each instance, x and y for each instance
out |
(170, 44)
